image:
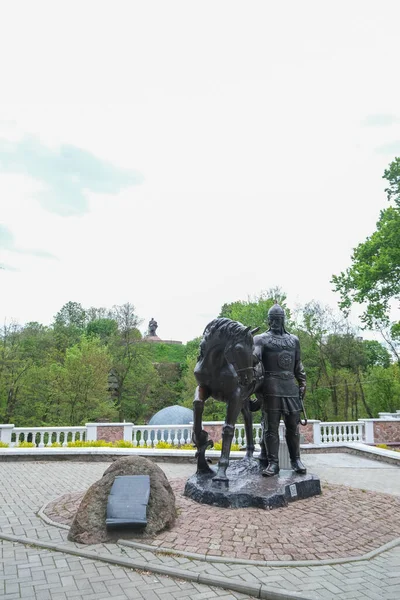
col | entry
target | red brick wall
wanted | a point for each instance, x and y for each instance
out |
(308, 432)
(111, 433)
(214, 432)
(386, 431)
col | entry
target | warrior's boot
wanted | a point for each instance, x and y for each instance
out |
(272, 454)
(271, 438)
(293, 444)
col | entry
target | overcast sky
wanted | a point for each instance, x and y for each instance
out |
(180, 155)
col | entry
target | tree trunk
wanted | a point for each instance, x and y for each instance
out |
(335, 399)
(346, 401)
(367, 408)
(355, 398)
(11, 402)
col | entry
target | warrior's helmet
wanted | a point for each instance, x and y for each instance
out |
(277, 311)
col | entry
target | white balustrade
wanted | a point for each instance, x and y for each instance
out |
(150, 435)
(257, 432)
(335, 432)
(239, 437)
(240, 433)
(45, 436)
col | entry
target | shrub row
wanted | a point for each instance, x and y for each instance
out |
(119, 444)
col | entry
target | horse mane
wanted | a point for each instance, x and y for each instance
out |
(224, 331)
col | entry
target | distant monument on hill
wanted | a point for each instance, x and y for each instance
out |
(153, 337)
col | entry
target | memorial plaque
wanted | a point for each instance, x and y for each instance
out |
(127, 501)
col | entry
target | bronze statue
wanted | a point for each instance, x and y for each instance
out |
(279, 353)
(152, 327)
(232, 365)
(226, 371)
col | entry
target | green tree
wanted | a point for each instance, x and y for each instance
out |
(81, 383)
(104, 328)
(335, 360)
(375, 354)
(383, 389)
(131, 364)
(188, 380)
(253, 312)
(373, 278)
(21, 350)
(68, 326)
(71, 314)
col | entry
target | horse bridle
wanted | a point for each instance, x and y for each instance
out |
(245, 384)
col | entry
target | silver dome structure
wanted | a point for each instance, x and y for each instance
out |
(171, 415)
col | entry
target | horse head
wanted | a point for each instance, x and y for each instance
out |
(239, 353)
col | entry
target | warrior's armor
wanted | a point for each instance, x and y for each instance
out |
(280, 356)
(282, 366)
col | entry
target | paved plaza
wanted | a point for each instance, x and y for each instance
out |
(37, 561)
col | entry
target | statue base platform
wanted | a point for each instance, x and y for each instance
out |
(247, 487)
(157, 340)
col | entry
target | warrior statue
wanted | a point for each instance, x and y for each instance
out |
(279, 352)
(152, 327)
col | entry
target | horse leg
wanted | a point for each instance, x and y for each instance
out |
(233, 408)
(248, 427)
(200, 436)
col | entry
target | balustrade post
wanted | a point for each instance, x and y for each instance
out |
(369, 437)
(91, 432)
(142, 442)
(128, 429)
(6, 433)
(317, 432)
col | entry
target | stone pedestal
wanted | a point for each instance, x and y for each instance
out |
(247, 487)
(155, 338)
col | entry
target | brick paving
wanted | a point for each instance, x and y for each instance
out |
(304, 530)
(44, 575)
(25, 487)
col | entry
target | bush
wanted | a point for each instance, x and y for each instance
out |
(26, 445)
(163, 446)
(100, 444)
(166, 446)
(234, 447)
(386, 447)
(123, 444)
(91, 444)
(56, 445)
(3, 445)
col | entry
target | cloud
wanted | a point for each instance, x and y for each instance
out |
(66, 173)
(389, 148)
(6, 238)
(8, 267)
(7, 242)
(380, 120)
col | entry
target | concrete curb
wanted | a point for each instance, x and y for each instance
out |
(238, 561)
(42, 515)
(263, 563)
(108, 454)
(258, 590)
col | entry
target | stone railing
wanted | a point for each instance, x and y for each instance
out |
(240, 434)
(148, 436)
(42, 436)
(385, 430)
(335, 432)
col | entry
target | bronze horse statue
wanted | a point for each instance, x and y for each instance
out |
(226, 370)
